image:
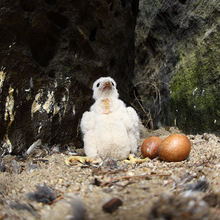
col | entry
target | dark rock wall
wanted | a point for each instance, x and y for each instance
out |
(50, 54)
(172, 40)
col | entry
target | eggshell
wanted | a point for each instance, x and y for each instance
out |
(149, 147)
(174, 148)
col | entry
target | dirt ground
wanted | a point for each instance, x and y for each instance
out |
(44, 187)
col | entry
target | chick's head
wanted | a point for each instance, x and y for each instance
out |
(104, 87)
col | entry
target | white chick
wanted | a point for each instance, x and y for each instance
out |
(110, 129)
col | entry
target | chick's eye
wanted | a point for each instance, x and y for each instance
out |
(98, 84)
(113, 84)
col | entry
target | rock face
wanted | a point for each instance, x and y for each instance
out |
(51, 53)
(177, 70)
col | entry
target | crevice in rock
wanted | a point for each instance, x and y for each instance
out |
(165, 18)
(116, 14)
(51, 74)
(123, 3)
(111, 4)
(182, 1)
(112, 62)
(151, 44)
(60, 20)
(6, 35)
(28, 5)
(43, 47)
(51, 2)
(135, 7)
(93, 34)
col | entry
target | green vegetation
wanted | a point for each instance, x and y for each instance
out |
(195, 88)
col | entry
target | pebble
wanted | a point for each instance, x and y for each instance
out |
(192, 137)
(112, 205)
(60, 181)
(76, 187)
(130, 173)
(90, 187)
(199, 168)
(206, 136)
(194, 175)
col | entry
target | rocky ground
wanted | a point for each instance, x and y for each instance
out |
(44, 187)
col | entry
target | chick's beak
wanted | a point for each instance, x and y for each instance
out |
(107, 85)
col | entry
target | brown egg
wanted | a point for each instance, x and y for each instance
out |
(149, 147)
(175, 148)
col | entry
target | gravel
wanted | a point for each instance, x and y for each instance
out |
(152, 190)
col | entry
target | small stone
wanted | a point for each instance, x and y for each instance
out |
(130, 173)
(90, 187)
(60, 181)
(192, 137)
(206, 136)
(194, 175)
(112, 205)
(200, 168)
(76, 187)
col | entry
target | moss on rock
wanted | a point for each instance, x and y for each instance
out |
(195, 88)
